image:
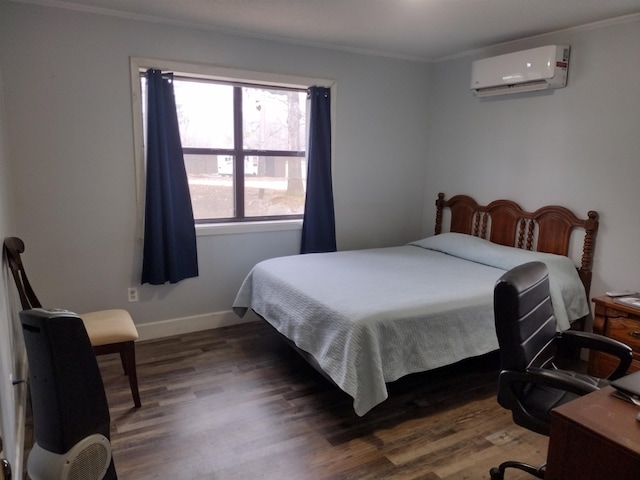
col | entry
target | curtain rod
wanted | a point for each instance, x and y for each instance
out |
(188, 78)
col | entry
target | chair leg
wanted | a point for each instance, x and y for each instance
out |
(123, 360)
(497, 473)
(128, 358)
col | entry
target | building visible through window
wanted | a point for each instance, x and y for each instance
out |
(244, 148)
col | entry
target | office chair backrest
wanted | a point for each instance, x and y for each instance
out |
(524, 319)
(13, 247)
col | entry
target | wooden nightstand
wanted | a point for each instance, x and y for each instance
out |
(621, 323)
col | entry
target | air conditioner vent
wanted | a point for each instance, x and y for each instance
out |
(525, 71)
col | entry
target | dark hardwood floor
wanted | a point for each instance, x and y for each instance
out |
(238, 403)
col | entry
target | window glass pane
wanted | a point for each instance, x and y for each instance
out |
(274, 119)
(211, 185)
(275, 186)
(205, 114)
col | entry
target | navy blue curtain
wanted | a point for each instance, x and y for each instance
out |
(318, 226)
(170, 253)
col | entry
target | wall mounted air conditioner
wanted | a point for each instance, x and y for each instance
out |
(525, 71)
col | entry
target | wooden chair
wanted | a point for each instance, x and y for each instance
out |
(110, 331)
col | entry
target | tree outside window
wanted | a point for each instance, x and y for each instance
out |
(244, 149)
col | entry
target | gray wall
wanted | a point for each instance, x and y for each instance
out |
(404, 132)
(578, 146)
(68, 105)
(12, 355)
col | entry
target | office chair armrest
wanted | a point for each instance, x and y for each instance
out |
(511, 384)
(556, 379)
(510, 381)
(601, 343)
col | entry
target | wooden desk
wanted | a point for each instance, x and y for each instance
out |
(594, 437)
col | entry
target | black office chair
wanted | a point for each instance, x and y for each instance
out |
(530, 383)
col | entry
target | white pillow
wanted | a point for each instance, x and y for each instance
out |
(567, 290)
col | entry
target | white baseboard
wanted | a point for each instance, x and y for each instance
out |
(196, 323)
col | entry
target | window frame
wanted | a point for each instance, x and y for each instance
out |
(225, 74)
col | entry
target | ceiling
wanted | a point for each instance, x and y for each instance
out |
(423, 30)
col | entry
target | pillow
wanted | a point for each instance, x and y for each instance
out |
(567, 290)
(466, 246)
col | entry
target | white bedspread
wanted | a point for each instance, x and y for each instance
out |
(369, 317)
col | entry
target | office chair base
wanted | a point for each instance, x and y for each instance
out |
(497, 473)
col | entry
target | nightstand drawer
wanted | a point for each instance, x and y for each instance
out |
(602, 364)
(621, 323)
(626, 330)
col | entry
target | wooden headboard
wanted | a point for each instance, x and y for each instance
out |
(548, 229)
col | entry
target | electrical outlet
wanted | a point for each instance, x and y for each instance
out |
(133, 294)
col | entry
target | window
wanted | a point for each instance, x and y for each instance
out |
(244, 148)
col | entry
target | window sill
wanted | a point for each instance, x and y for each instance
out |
(203, 230)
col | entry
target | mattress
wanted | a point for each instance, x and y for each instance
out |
(369, 317)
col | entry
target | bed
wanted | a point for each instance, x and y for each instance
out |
(365, 318)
